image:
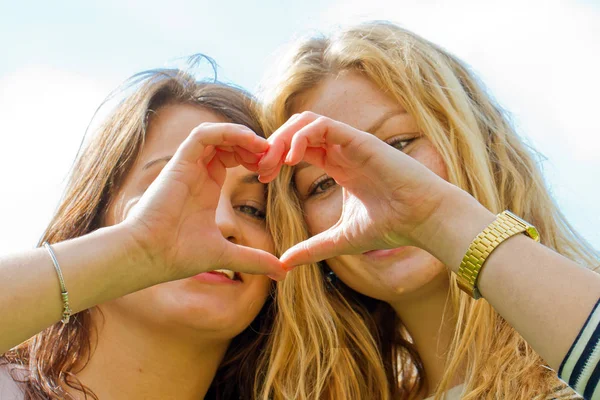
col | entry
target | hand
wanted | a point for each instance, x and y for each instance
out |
(174, 221)
(389, 198)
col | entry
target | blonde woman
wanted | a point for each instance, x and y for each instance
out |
(388, 320)
(148, 212)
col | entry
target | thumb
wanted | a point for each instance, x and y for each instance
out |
(253, 261)
(323, 246)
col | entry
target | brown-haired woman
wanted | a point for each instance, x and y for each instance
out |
(149, 202)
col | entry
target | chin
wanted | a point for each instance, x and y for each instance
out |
(209, 312)
(413, 272)
(417, 274)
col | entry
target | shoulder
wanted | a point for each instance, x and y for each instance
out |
(9, 388)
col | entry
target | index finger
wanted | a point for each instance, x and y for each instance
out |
(215, 134)
(281, 139)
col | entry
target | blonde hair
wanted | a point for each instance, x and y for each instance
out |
(52, 358)
(338, 346)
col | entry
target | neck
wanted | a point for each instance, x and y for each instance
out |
(132, 361)
(430, 320)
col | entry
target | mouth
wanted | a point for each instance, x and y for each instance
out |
(384, 254)
(231, 275)
(219, 276)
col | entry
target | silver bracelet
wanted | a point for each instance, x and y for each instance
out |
(66, 315)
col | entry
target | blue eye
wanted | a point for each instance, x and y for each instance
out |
(252, 212)
(399, 143)
(321, 185)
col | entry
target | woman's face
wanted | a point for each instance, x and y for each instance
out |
(208, 305)
(387, 275)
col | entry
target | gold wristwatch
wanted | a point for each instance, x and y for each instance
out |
(506, 225)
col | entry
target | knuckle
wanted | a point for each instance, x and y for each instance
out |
(307, 116)
(321, 120)
(324, 124)
(203, 126)
(200, 129)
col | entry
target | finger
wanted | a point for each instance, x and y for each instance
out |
(273, 156)
(247, 159)
(249, 166)
(216, 134)
(228, 159)
(247, 156)
(226, 147)
(282, 137)
(324, 132)
(253, 261)
(207, 154)
(325, 245)
(217, 171)
(316, 156)
(275, 135)
(270, 175)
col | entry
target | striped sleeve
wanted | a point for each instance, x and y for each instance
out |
(581, 367)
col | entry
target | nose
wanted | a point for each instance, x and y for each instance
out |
(226, 220)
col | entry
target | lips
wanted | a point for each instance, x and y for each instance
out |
(383, 254)
(234, 276)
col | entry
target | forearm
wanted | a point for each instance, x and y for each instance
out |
(97, 267)
(543, 295)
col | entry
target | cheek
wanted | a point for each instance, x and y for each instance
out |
(259, 293)
(322, 213)
(244, 309)
(258, 237)
(429, 156)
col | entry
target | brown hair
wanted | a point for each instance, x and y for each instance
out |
(51, 358)
(348, 350)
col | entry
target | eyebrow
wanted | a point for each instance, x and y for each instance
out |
(383, 119)
(301, 165)
(158, 160)
(250, 179)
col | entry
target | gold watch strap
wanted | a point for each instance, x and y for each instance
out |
(506, 225)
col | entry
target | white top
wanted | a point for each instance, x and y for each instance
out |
(581, 367)
(9, 389)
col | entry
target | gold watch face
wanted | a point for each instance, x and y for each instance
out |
(533, 233)
(530, 230)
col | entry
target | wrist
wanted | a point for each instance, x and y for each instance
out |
(136, 254)
(101, 266)
(451, 228)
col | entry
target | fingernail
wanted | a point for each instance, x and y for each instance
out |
(288, 158)
(261, 161)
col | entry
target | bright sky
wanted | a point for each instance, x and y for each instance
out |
(61, 58)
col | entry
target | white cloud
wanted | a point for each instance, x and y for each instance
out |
(44, 113)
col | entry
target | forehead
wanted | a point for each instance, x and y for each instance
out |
(168, 128)
(348, 97)
(171, 124)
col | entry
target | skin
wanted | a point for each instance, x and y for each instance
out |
(390, 200)
(187, 322)
(410, 279)
(169, 222)
(240, 218)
